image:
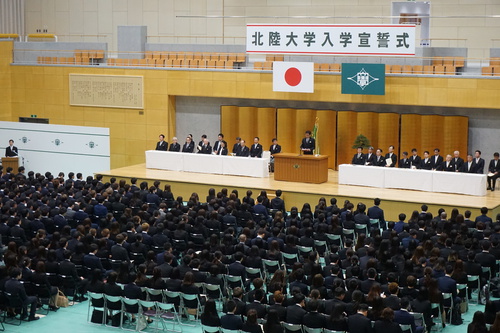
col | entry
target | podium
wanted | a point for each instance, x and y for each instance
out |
(12, 162)
(301, 168)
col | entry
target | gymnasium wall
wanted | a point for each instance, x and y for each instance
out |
(162, 17)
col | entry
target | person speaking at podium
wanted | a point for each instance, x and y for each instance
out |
(308, 144)
(11, 150)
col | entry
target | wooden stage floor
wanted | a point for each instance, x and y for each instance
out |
(199, 182)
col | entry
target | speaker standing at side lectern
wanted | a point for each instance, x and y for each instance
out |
(11, 150)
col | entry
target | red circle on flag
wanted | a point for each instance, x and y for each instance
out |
(293, 76)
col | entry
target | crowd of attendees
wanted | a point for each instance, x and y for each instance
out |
(338, 268)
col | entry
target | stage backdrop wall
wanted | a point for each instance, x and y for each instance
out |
(292, 124)
(382, 129)
(427, 132)
(56, 148)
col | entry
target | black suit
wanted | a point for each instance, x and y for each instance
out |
(243, 151)
(174, 146)
(236, 148)
(295, 314)
(479, 162)
(188, 147)
(275, 149)
(216, 146)
(314, 320)
(118, 252)
(457, 163)
(15, 288)
(385, 326)
(447, 166)
(162, 145)
(436, 162)
(308, 143)
(405, 163)
(278, 203)
(393, 157)
(359, 324)
(379, 161)
(369, 159)
(205, 149)
(257, 306)
(92, 262)
(415, 161)
(11, 152)
(231, 322)
(493, 169)
(358, 159)
(222, 151)
(469, 168)
(256, 150)
(426, 165)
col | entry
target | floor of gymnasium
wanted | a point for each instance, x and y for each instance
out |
(74, 319)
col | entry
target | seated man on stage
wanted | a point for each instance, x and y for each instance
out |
(457, 161)
(256, 149)
(447, 165)
(405, 162)
(220, 138)
(243, 151)
(415, 160)
(370, 157)
(379, 159)
(426, 162)
(469, 166)
(162, 144)
(436, 160)
(205, 147)
(493, 171)
(11, 150)
(308, 144)
(174, 146)
(222, 151)
(237, 146)
(392, 156)
(188, 146)
(478, 161)
(274, 149)
(359, 157)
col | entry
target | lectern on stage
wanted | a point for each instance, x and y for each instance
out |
(301, 168)
(12, 162)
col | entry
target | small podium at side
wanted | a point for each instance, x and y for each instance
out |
(12, 162)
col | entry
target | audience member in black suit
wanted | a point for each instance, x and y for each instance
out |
(91, 261)
(386, 323)
(469, 166)
(479, 162)
(493, 168)
(110, 287)
(426, 163)
(337, 321)
(308, 144)
(379, 159)
(68, 269)
(231, 321)
(370, 156)
(210, 317)
(256, 149)
(447, 165)
(278, 203)
(188, 146)
(256, 304)
(273, 322)
(486, 259)
(118, 251)
(415, 160)
(251, 325)
(457, 161)
(436, 160)
(295, 312)
(174, 146)
(405, 162)
(278, 306)
(16, 288)
(204, 147)
(314, 319)
(162, 144)
(392, 301)
(359, 158)
(243, 150)
(359, 322)
(392, 156)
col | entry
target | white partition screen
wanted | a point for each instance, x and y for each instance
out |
(56, 148)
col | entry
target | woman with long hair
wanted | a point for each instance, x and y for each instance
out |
(273, 324)
(210, 317)
(478, 324)
(495, 328)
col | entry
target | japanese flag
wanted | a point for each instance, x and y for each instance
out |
(293, 76)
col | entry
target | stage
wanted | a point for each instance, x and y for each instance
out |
(295, 194)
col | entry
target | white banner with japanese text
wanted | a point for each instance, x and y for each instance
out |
(338, 39)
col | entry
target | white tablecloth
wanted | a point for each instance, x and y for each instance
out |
(203, 163)
(410, 179)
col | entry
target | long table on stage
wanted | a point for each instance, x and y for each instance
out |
(205, 163)
(413, 179)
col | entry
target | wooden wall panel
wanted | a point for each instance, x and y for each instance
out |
(247, 123)
(292, 124)
(427, 132)
(382, 129)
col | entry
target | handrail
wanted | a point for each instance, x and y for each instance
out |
(41, 36)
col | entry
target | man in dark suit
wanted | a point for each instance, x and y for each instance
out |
(479, 162)
(370, 156)
(367, 284)
(217, 143)
(377, 213)
(205, 147)
(359, 322)
(188, 146)
(314, 319)
(403, 317)
(426, 163)
(277, 202)
(16, 288)
(118, 252)
(486, 259)
(405, 162)
(457, 161)
(469, 166)
(436, 160)
(222, 149)
(243, 150)
(18, 232)
(359, 158)
(392, 156)
(447, 165)
(379, 159)
(237, 146)
(11, 150)
(415, 160)
(68, 269)
(275, 148)
(256, 149)
(448, 285)
(308, 144)
(231, 321)
(162, 144)
(392, 301)
(174, 146)
(295, 312)
(236, 268)
(91, 261)
(361, 217)
(257, 304)
(493, 168)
